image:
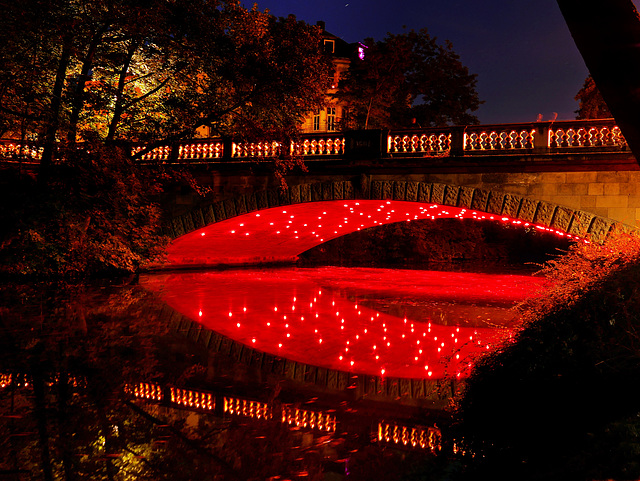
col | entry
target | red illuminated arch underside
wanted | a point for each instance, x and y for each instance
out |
(282, 233)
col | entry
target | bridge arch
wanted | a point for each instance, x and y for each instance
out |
(196, 230)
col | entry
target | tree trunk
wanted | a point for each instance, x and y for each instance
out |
(41, 416)
(119, 107)
(78, 95)
(54, 114)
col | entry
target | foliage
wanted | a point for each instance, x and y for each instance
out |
(110, 73)
(94, 218)
(591, 105)
(77, 348)
(408, 80)
(155, 70)
(546, 404)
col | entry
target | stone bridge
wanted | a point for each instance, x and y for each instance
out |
(573, 177)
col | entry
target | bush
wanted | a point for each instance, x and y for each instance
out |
(95, 215)
(544, 405)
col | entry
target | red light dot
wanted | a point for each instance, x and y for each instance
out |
(230, 314)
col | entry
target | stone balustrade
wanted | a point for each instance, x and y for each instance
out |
(537, 138)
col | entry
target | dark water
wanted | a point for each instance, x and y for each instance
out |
(66, 357)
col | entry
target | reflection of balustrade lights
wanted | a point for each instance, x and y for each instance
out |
(417, 437)
(244, 407)
(5, 380)
(308, 419)
(192, 399)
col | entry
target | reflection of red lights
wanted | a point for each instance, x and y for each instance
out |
(344, 333)
(254, 237)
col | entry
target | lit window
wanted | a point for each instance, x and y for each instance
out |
(331, 118)
(329, 46)
(316, 120)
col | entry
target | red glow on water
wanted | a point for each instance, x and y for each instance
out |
(266, 309)
(280, 234)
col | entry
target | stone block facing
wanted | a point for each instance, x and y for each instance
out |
(451, 195)
(580, 223)
(527, 210)
(437, 193)
(424, 192)
(305, 193)
(511, 205)
(612, 201)
(349, 190)
(294, 194)
(496, 200)
(399, 190)
(412, 191)
(562, 219)
(480, 198)
(599, 229)
(544, 213)
(465, 197)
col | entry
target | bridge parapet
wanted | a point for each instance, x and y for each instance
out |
(532, 138)
(535, 138)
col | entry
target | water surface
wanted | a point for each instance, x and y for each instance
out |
(393, 322)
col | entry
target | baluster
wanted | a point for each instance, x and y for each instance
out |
(321, 147)
(573, 138)
(484, 141)
(493, 141)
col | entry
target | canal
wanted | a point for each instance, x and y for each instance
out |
(393, 322)
(167, 376)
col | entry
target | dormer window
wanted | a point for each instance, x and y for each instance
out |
(329, 46)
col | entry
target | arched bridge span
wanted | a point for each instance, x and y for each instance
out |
(278, 225)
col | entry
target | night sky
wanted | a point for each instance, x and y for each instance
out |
(522, 52)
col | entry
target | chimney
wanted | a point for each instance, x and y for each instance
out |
(320, 23)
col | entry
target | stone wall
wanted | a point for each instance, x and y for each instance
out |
(613, 195)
